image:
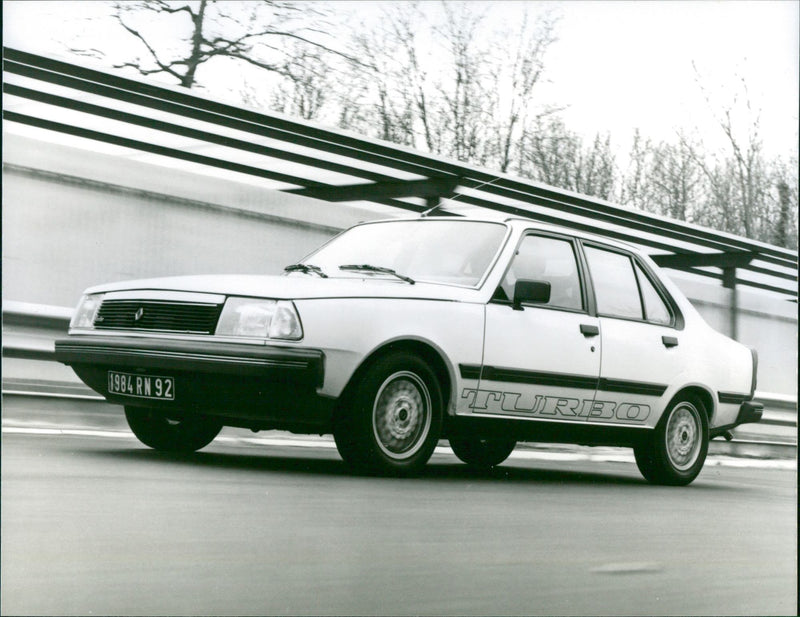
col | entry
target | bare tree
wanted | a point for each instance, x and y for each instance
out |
(597, 169)
(436, 77)
(418, 81)
(307, 83)
(749, 172)
(381, 72)
(254, 33)
(557, 156)
(635, 189)
(461, 86)
(740, 173)
(782, 226)
(775, 217)
(549, 152)
(405, 22)
(515, 83)
(664, 178)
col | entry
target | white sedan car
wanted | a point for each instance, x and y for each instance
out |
(396, 334)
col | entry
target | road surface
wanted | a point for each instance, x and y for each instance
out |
(95, 523)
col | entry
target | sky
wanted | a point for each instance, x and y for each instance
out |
(628, 64)
(619, 65)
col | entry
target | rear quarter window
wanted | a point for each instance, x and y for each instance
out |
(655, 308)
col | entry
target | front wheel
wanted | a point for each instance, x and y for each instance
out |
(676, 451)
(482, 453)
(166, 433)
(392, 422)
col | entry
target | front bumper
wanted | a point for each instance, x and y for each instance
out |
(257, 386)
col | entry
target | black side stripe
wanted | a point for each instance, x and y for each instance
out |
(470, 371)
(732, 397)
(491, 373)
(538, 378)
(632, 387)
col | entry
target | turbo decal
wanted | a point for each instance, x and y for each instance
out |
(555, 407)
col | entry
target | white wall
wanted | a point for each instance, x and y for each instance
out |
(73, 218)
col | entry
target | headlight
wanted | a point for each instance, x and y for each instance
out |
(285, 322)
(253, 317)
(86, 311)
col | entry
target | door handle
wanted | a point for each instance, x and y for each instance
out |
(589, 329)
(669, 341)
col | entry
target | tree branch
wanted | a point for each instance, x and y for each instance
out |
(164, 67)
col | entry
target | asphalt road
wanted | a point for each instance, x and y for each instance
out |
(98, 524)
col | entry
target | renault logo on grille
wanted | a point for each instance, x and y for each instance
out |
(138, 315)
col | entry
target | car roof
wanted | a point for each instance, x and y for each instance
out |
(516, 223)
(521, 223)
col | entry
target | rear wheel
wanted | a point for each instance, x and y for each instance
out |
(676, 451)
(169, 433)
(392, 422)
(482, 453)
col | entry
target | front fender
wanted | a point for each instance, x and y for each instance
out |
(350, 330)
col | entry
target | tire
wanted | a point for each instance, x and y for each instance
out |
(161, 432)
(676, 451)
(392, 422)
(482, 453)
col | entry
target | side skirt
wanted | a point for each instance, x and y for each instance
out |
(545, 432)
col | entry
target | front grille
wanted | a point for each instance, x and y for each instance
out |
(156, 315)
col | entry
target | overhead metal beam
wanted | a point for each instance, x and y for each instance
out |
(183, 102)
(430, 187)
(146, 146)
(736, 259)
(190, 157)
(316, 151)
(184, 131)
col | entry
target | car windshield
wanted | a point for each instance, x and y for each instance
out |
(435, 251)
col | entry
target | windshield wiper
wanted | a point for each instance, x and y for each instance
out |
(379, 269)
(306, 269)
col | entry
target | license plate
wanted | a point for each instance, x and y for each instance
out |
(141, 386)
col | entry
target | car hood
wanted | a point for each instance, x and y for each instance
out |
(295, 287)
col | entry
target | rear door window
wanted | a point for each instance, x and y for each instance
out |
(615, 286)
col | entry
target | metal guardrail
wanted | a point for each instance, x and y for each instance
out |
(30, 330)
(299, 157)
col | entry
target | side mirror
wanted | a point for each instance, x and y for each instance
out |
(530, 292)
